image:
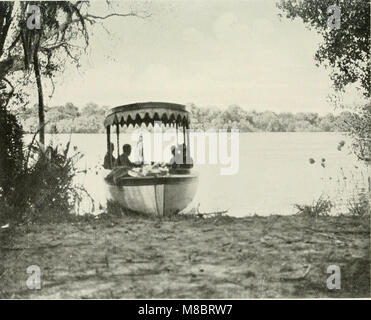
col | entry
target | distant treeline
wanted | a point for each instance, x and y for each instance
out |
(89, 119)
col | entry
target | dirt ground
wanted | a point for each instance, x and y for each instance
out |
(187, 257)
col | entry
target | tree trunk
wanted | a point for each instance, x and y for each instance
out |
(40, 95)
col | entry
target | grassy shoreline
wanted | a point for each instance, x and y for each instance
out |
(187, 257)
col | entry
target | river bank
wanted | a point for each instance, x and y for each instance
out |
(187, 257)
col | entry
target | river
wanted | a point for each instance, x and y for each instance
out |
(274, 173)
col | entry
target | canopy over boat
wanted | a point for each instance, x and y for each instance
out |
(166, 113)
(148, 113)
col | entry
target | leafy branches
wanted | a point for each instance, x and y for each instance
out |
(346, 50)
(63, 37)
(359, 127)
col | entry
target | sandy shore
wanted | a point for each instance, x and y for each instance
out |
(187, 257)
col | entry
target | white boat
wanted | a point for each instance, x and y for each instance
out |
(160, 196)
(154, 195)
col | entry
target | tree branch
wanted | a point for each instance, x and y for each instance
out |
(131, 14)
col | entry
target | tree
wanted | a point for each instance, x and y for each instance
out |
(6, 89)
(346, 51)
(92, 108)
(359, 125)
(327, 123)
(267, 121)
(46, 48)
(287, 121)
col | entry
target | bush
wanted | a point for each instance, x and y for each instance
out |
(320, 207)
(359, 127)
(45, 189)
(35, 183)
(360, 206)
(11, 155)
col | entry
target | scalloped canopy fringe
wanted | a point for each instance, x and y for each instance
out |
(148, 113)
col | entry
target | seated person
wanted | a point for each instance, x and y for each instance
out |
(179, 158)
(109, 159)
(124, 160)
(172, 162)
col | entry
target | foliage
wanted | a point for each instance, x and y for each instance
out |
(89, 119)
(62, 37)
(320, 207)
(360, 206)
(249, 120)
(351, 193)
(44, 189)
(42, 180)
(358, 124)
(11, 155)
(346, 51)
(47, 185)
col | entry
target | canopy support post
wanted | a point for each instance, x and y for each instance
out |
(118, 140)
(188, 152)
(109, 143)
(188, 140)
(184, 145)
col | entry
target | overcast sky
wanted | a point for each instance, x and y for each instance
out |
(211, 53)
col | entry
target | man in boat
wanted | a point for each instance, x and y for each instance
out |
(179, 158)
(124, 160)
(172, 162)
(109, 159)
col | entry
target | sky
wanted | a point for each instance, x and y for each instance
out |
(211, 53)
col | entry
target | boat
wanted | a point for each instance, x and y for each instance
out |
(164, 195)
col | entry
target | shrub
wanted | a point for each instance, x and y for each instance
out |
(360, 205)
(11, 155)
(320, 207)
(36, 183)
(46, 189)
(358, 126)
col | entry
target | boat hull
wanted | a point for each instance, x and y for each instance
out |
(158, 196)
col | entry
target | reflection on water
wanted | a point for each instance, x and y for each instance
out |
(274, 173)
